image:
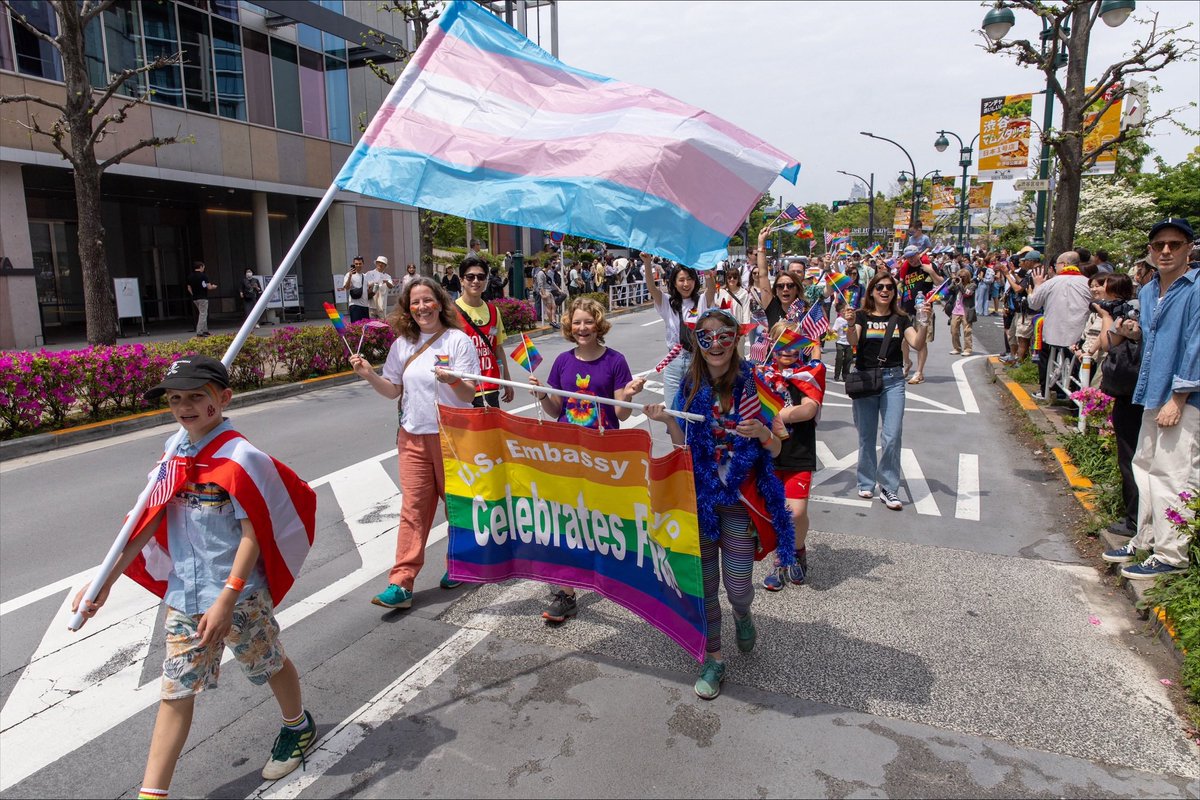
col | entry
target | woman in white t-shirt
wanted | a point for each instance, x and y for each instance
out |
(426, 327)
(679, 308)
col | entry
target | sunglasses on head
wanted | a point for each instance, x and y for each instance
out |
(707, 340)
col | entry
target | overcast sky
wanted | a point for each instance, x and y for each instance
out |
(808, 76)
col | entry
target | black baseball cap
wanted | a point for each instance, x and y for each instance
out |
(1174, 222)
(191, 372)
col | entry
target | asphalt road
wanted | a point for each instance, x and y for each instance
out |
(957, 648)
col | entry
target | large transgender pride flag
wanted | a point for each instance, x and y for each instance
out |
(486, 125)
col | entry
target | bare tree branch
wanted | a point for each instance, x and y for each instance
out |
(119, 80)
(25, 23)
(90, 10)
(31, 98)
(1090, 158)
(157, 141)
(55, 135)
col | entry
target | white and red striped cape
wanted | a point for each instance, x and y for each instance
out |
(281, 506)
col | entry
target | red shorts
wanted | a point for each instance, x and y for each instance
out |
(795, 484)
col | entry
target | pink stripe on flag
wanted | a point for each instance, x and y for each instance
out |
(696, 183)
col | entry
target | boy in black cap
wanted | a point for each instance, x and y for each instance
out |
(224, 531)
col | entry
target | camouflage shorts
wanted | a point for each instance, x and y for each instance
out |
(190, 668)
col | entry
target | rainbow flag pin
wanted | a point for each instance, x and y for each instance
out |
(441, 360)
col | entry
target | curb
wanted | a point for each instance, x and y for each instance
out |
(95, 431)
(1082, 487)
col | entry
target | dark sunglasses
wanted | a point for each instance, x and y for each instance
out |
(885, 287)
(785, 285)
(473, 277)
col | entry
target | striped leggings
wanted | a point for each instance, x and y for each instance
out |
(736, 547)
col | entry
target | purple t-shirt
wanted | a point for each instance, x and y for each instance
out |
(601, 377)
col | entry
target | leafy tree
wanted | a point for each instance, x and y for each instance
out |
(1114, 216)
(1176, 190)
(87, 116)
(1077, 94)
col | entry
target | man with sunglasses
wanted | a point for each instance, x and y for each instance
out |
(483, 324)
(1167, 458)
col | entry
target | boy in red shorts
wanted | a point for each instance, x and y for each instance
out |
(804, 382)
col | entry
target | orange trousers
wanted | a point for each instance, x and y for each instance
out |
(423, 483)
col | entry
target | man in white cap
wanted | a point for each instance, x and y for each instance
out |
(381, 284)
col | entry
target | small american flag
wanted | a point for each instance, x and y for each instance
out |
(170, 472)
(791, 212)
(814, 324)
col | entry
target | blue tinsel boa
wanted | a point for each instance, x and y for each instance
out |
(748, 458)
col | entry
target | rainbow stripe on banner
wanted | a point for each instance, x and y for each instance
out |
(482, 115)
(567, 505)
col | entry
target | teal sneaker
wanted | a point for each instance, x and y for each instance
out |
(447, 583)
(393, 597)
(747, 635)
(708, 685)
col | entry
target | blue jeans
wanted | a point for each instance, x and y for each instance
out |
(983, 298)
(888, 404)
(673, 375)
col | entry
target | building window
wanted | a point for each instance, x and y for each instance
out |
(258, 77)
(158, 30)
(196, 43)
(6, 57)
(93, 53)
(225, 8)
(312, 93)
(337, 99)
(227, 58)
(34, 56)
(334, 45)
(123, 42)
(285, 79)
(308, 36)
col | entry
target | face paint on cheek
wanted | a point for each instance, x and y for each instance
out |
(212, 411)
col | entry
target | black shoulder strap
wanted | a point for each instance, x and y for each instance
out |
(887, 338)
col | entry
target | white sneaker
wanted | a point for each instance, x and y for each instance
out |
(890, 500)
(955, 352)
(866, 493)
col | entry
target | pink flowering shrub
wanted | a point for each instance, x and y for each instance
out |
(1095, 407)
(518, 315)
(42, 390)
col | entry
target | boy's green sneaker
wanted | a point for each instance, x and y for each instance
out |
(393, 597)
(747, 635)
(708, 685)
(291, 748)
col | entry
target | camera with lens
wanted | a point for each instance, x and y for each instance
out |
(1119, 309)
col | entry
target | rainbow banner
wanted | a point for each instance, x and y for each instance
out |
(567, 505)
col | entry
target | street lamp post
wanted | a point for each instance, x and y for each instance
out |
(915, 218)
(870, 199)
(996, 25)
(965, 154)
(933, 173)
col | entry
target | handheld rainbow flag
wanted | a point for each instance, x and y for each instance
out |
(526, 354)
(441, 360)
(939, 293)
(338, 325)
(770, 404)
(790, 340)
(875, 249)
(840, 281)
(336, 319)
(1038, 325)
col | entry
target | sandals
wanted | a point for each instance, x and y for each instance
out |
(915, 379)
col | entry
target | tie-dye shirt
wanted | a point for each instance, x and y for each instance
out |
(601, 377)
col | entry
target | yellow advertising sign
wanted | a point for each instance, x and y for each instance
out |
(1109, 128)
(980, 196)
(1004, 127)
(903, 219)
(945, 199)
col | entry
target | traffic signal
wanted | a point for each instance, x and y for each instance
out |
(839, 203)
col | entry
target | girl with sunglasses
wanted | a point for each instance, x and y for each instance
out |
(742, 514)
(777, 297)
(679, 308)
(868, 327)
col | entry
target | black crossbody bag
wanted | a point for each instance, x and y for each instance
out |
(868, 382)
